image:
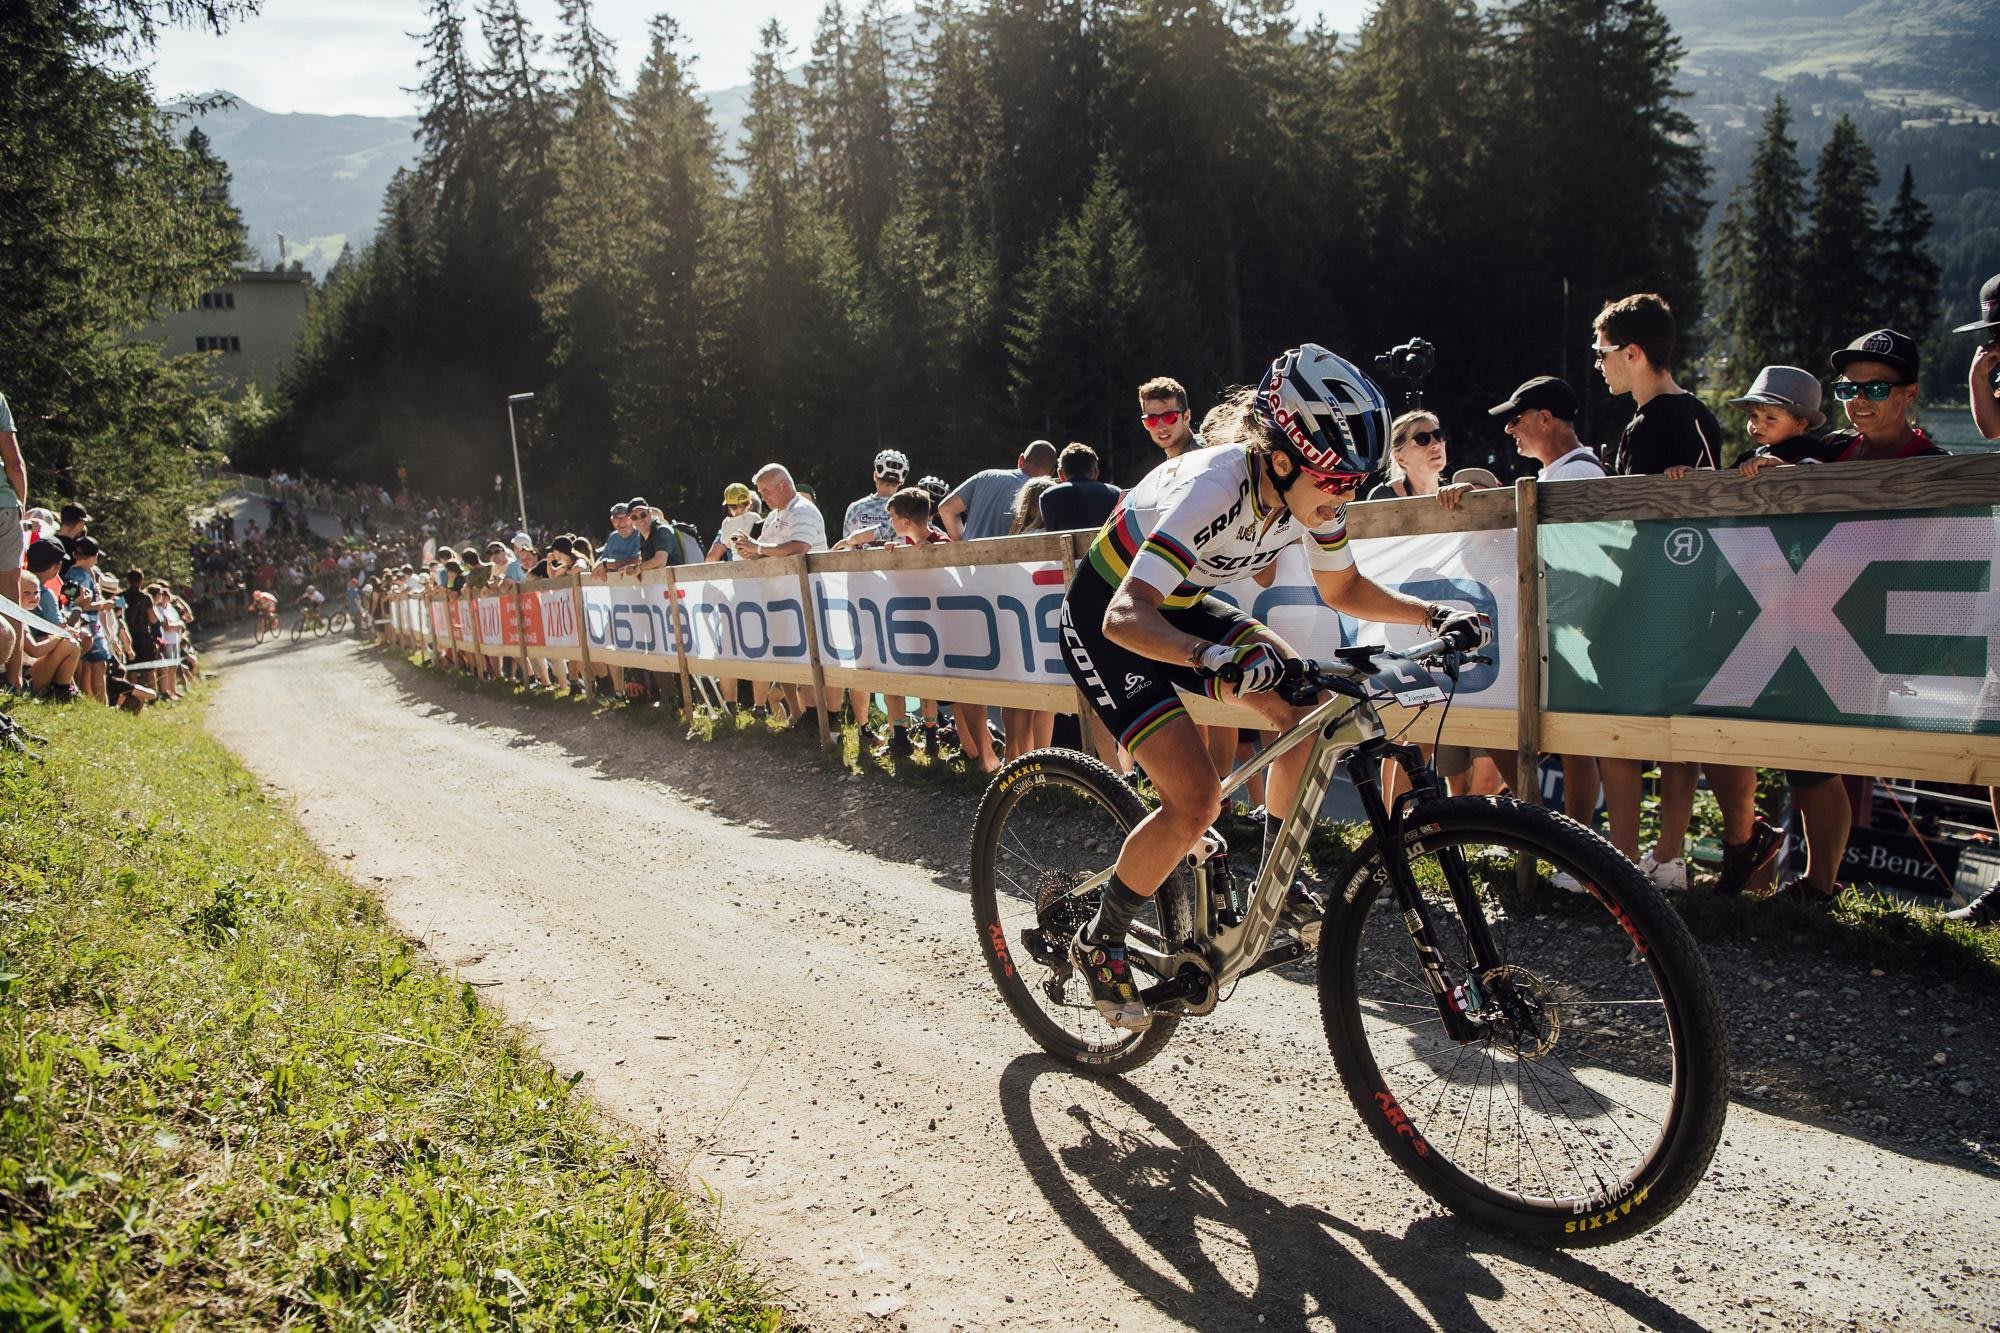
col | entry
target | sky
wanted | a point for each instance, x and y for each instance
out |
(357, 57)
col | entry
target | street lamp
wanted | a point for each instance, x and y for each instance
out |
(514, 440)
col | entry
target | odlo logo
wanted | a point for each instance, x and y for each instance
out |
(1401, 1123)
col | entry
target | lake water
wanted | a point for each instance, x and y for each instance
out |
(1953, 429)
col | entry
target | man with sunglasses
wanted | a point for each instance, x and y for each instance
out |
(1877, 388)
(1140, 623)
(1163, 411)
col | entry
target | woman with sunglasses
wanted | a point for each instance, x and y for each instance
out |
(1140, 624)
(1878, 389)
(1416, 458)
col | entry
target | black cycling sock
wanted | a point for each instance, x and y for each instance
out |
(1114, 913)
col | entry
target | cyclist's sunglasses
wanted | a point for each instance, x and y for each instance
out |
(1875, 391)
(1337, 483)
(1152, 419)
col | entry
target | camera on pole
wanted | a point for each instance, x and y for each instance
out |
(1405, 368)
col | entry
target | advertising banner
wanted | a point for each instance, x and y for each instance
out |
(995, 622)
(440, 621)
(544, 618)
(492, 622)
(1883, 621)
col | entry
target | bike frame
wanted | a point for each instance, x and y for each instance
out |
(1340, 728)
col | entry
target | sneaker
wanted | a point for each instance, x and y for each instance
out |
(1110, 981)
(947, 736)
(1981, 911)
(899, 743)
(1800, 890)
(1742, 861)
(1667, 876)
(1302, 914)
(1567, 882)
(931, 741)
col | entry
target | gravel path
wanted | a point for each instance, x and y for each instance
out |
(767, 970)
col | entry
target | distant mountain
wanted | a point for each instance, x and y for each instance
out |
(318, 180)
(1941, 52)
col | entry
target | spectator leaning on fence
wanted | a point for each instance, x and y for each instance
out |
(867, 520)
(1078, 501)
(621, 549)
(739, 514)
(1877, 385)
(793, 525)
(1163, 411)
(983, 504)
(1670, 428)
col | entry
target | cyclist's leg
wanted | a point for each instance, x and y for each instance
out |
(1175, 758)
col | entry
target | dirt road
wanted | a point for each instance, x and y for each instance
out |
(769, 968)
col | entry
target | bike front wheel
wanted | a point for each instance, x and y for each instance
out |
(1591, 1102)
(336, 622)
(260, 632)
(298, 631)
(1051, 821)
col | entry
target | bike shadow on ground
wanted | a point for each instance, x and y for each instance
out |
(1186, 1202)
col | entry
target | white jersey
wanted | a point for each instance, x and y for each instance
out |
(1195, 523)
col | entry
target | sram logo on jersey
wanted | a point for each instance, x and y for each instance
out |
(1221, 521)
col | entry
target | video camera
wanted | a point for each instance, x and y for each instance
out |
(1406, 367)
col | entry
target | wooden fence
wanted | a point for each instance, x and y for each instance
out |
(1856, 490)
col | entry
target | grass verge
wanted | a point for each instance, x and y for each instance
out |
(232, 1096)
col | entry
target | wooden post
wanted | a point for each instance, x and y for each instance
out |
(1528, 656)
(1083, 712)
(812, 649)
(521, 628)
(478, 639)
(680, 646)
(430, 626)
(582, 637)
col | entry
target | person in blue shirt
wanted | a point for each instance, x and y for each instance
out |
(625, 547)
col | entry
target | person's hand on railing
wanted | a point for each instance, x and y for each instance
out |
(1453, 495)
(1756, 463)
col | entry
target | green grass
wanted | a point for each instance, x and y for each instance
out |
(233, 1097)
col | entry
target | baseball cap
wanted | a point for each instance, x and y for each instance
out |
(1544, 392)
(1989, 308)
(620, 508)
(75, 514)
(1788, 387)
(637, 502)
(44, 553)
(84, 547)
(524, 542)
(735, 493)
(1887, 346)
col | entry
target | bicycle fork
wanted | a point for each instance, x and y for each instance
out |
(1457, 1002)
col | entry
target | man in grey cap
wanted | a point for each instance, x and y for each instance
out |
(1983, 385)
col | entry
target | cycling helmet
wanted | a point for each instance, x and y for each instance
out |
(1323, 412)
(892, 465)
(935, 487)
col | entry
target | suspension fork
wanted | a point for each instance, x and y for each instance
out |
(1364, 769)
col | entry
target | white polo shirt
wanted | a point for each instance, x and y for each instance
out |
(1578, 463)
(799, 521)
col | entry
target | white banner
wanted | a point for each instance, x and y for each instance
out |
(996, 622)
(993, 622)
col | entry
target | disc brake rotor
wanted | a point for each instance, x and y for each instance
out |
(1530, 1019)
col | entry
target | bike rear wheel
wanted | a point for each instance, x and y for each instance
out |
(319, 627)
(1050, 821)
(1592, 1103)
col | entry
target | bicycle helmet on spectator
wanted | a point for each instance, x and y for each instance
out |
(892, 465)
(1322, 412)
(935, 487)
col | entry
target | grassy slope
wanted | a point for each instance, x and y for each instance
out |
(232, 1096)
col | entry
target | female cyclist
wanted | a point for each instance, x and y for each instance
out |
(1282, 461)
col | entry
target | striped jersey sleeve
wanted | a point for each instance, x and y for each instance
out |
(1327, 548)
(1171, 548)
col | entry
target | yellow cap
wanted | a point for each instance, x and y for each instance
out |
(735, 493)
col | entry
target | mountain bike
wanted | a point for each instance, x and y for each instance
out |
(310, 621)
(1547, 1065)
(266, 626)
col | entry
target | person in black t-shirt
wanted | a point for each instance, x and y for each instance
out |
(1079, 500)
(1670, 429)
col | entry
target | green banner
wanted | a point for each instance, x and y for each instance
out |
(1884, 620)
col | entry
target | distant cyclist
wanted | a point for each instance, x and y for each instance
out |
(1282, 461)
(265, 607)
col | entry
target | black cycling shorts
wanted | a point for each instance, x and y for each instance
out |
(1133, 694)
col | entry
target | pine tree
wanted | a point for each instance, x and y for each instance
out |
(1910, 273)
(1753, 279)
(671, 356)
(1840, 298)
(1083, 324)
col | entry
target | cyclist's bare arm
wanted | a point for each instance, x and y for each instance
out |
(1133, 621)
(1359, 596)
